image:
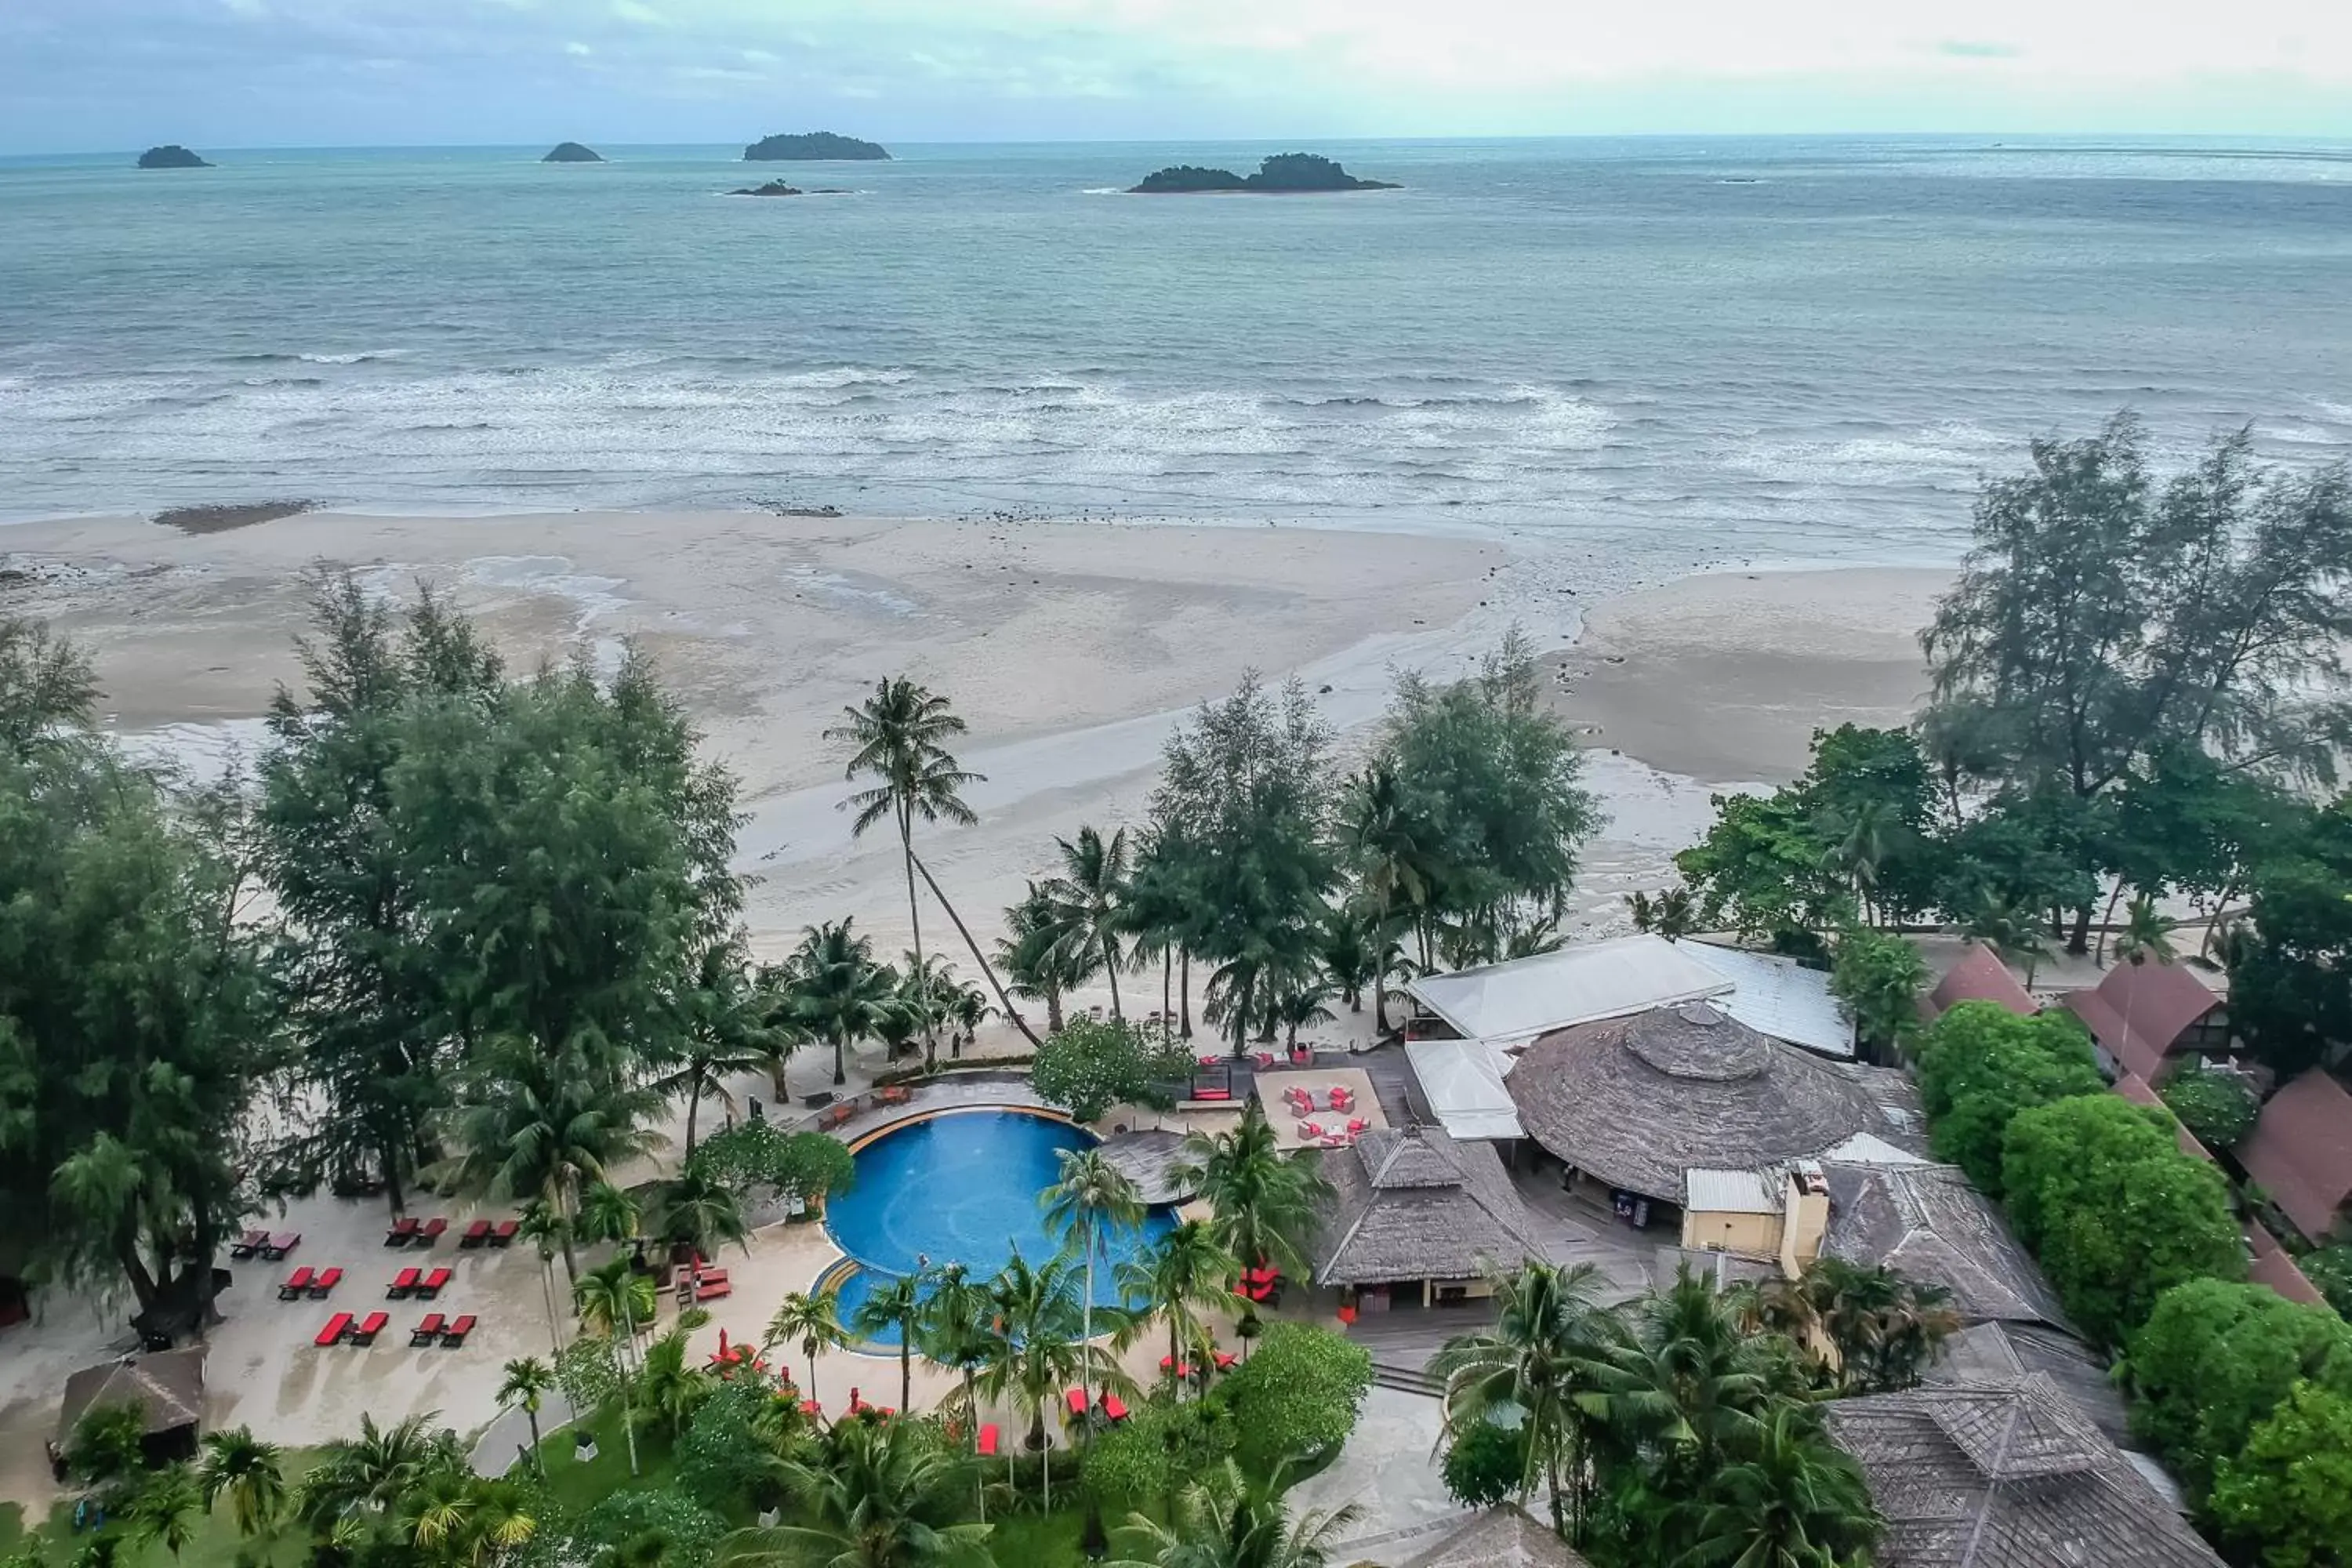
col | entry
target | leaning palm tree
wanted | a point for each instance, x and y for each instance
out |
(1090, 899)
(1181, 1275)
(814, 1321)
(527, 1383)
(1261, 1203)
(886, 1494)
(1541, 1360)
(1231, 1521)
(1034, 1348)
(1792, 1500)
(238, 1466)
(836, 991)
(1091, 1198)
(895, 1306)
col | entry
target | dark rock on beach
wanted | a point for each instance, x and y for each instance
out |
(573, 153)
(815, 147)
(1285, 173)
(221, 519)
(171, 156)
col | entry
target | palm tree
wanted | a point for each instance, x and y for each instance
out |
(1235, 1521)
(1261, 1203)
(885, 1495)
(699, 1212)
(1542, 1359)
(249, 1473)
(953, 1328)
(529, 1381)
(1181, 1275)
(1859, 839)
(542, 1128)
(1042, 966)
(467, 1521)
(1302, 1006)
(1092, 1196)
(968, 1010)
(1034, 1349)
(2147, 934)
(1685, 1380)
(2010, 928)
(372, 1472)
(167, 1508)
(1382, 838)
(614, 1301)
(1350, 954)
(607, 1212)
(1793, 1500)
(670, 1385)
(727, 1029)
(898, 1305)
(545, 1228)
(837, 991)
(814, 1321)
(1090, 899)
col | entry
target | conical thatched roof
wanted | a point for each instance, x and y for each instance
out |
(1638, 1101)
(1504, 1537)
(1412, 1204)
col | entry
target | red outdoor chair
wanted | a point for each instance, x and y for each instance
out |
(425, 1332)
(369, 1327)
(323, 1283)
(296, 1283)
(455, 1335)
(337, 1327)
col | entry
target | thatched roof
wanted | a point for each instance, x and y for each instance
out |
(168, 1387)
(2006, 1474)
(1412, 1204)
(1638, 1101)
(1504, 1537)
(1151, 1160)
(1927, 1221)
(2003, 1352)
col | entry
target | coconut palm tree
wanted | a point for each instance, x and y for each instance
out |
(897, 1306)
(1033, 1350)
(2147, 934)
(1181, 1275)
(1349, 954)
(1382, 837)
(1790, 1499)
(1261, 1203)
(372, 1472)
(812, 1321)
(1091, 1198)
(1542, 1359)
(1302, 1006)
(167, 1508)
(543, 1128)
(836, 990)
(968, 1009)
(250, 1473)
(2010, 928)
(953, 1328)
(699, 1212)
(544, 1226)
(1090, 899)
(1859, 839)
(1041, 966)
(1684, 1380)
(527, 1383)
(465, 1521)
(607, 1212)
(614, 1301)
(1231, 1521)
(886, 1494)
(669, 1384)
(727, 1028)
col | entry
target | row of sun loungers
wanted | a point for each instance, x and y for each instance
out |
(413, 1282)
(272, 1245)
(317, 1285)
(446, 1332)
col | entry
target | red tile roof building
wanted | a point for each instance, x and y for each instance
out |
(2141, 1013)
(2301, 1152)
(1981, 976)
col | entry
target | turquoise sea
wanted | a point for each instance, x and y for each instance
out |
(1787, 347)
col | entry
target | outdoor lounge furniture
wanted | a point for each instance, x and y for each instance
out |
(430, 1232)
(1310, 1130)
(1076, 1400)
(365, 1330)
(1225, 1360)
(1265, 1060)
(1358, 1124)
(711, 1284)
(323, 1283)
(477, 1235)
(279, 1245)
(455, 1335)
(503, 1233)
(337, 1327)
(1218, 1093)
(402, 1231)
(989, 1436)
(1114, 1408)
(251, 1242)
(430, 1286)
(838, 1112)
(425, 1332)
(296, 1283)
(403, 1284)
(894, 1094)
(1211, 1063)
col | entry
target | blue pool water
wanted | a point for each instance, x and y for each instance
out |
(962, 1188)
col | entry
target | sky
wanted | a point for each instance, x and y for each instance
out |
(103, 75)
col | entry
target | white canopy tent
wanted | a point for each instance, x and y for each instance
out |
(1510, 1004)
(1779, 996)
(1463, 1081)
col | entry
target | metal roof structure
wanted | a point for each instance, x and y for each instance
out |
(1779, 996)
(1461, 1081)
(1731, 1192)
(1511, 1004)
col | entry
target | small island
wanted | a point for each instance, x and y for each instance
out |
(171, 156)
(573, 153)
(772, 188)
(815, 147)
(1285, 173)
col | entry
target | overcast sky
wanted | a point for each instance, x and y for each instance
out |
(92, 75)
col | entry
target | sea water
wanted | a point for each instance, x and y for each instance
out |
(1701, 348)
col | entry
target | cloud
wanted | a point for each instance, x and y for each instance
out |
(1967, 50)
(578, 49)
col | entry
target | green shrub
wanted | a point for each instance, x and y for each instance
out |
(1297, 1397)
(2219, 1108)
(1484, 1464)
(2214, 1359)
(808, 1165)
(2288, 1497)
(1979, 1064)
(1089, 1065)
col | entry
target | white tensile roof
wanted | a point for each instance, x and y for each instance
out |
(1779, 997)
(1463, 1081)
(1511, 1004)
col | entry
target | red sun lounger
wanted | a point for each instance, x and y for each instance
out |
(337, 1327)
(503, 1233)
(430, 1286)
(1225, 1360)
(430, 1232)
(476, 1233)
(323, 1283)
(369, 1327)
(988, 1440)
(251, 1242)
(425, 1332)
(1114, 1408)
(279, 1245)
(402, 1231)
(455, 1335)
(1077, 1398)
(296, 1283)
(403, 1284)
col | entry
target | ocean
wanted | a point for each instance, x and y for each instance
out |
(1797, 349)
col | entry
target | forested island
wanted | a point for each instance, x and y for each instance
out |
(573, 153)
(171, 155)
(815, 147)
(1285, 173)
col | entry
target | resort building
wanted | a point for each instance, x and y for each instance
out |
(1979, 976)
(2006, 1473)
(1504, 1537)
(1927, 1222)
(1418, 1219)
(167, 1389)
(2301, 1154)
(2144, 1016)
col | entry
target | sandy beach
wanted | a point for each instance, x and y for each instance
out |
(1071, 649)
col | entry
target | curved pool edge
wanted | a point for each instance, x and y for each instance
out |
(916, 1118)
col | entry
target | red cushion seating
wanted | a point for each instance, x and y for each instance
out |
(503, 1233)
(402, 1284)
(369, 1327)
(455, 1335)
(323, 1283)
(337, 1327)
(476, 1233)
(296, 1283)
(1114, 1407)
(431, 1285)
(988, 1440)
(425, 1332)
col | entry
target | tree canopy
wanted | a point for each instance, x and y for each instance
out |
(1979, 1064)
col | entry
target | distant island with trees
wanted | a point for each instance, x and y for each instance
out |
(1285, 173)
(172, 155)
(815, 147)
(573, 153)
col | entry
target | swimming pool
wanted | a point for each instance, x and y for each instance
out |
(960, 1188)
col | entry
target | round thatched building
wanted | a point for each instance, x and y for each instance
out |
(1636, 1102)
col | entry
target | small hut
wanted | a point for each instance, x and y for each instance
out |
(2144, 1016)
(1504, 1537)
(1416, 1219)
(167, 1387)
